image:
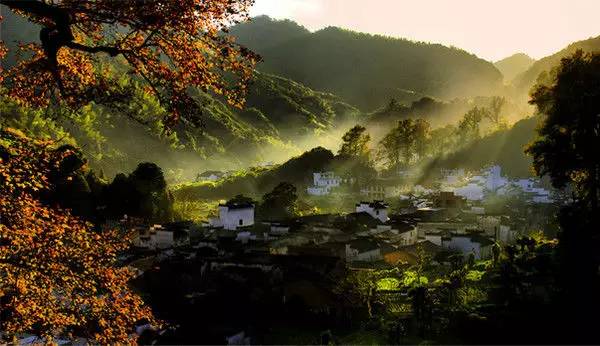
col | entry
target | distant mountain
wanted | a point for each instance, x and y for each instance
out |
(527, 79)
(514, 65)
(367, 70)
(281, 117)
(262, 32)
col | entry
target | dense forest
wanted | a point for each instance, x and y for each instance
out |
(367, 70)
(524, 81)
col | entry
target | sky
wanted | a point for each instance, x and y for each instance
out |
(491, 29)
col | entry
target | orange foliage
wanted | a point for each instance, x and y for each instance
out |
(168, 45)
(57, 276)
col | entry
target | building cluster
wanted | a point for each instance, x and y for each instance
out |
(369, 236)
(450, 218)
(324, 183)
(491, 182)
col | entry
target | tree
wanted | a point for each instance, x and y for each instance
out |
(421, 130)
(58, 278)
(405, 142)
(442, 140)
(280, 203)
(142, 194)
(356, 143)
(396, 147)
(468, 127)
(168, 46)
(569, 137)
(494, 112)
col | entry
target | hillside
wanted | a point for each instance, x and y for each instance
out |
(367, 70)
(262, 32)
(255, 182)
(505, 148)
(281, 118)
(527, 79)
(514, 65)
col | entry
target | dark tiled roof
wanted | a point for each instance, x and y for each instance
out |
(364, 244)
(376, 204)
(426, 245)
(237, 205)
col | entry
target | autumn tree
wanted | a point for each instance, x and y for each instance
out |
(568, 147)
(356, 143)
(58, 277)
(168, 46)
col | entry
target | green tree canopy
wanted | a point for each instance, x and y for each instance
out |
(356, 143)
(280, 203)
(407, 141)
(568, 147)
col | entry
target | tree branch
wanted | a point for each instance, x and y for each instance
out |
(112, 51)
(37, 8)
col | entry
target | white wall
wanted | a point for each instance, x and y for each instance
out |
(380, 214)
(466, 246)
(230, 218)
(472, 192)
(409, 238)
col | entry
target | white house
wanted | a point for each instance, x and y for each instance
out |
(471, 191)
(364, 250)
(479, 246)
(326, 179)
(401, 234)
(159, 237)
(452, 176)
(318, 190)
(505, 235)
(234, 215)
(530, 189)
(377, 209)
(210, 176)
(494, 179)
(323, 183)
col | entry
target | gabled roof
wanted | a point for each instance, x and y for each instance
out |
(376, 204)
(364, 244)
(238, 205)
(427, 246)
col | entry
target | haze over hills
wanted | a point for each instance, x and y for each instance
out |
(367, 70)
(284, 114)
(527, 79)
(514, 65)
(281, 118)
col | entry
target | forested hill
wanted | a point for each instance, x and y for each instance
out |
(504, 148)
(514, 65)
(527, 79)
(263, 32)
(367, 70)
(281, 118)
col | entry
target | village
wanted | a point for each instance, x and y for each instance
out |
(451, 220)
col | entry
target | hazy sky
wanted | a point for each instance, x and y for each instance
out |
(492, 29)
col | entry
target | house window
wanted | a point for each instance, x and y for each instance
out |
(377, 212)
(241, 222)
